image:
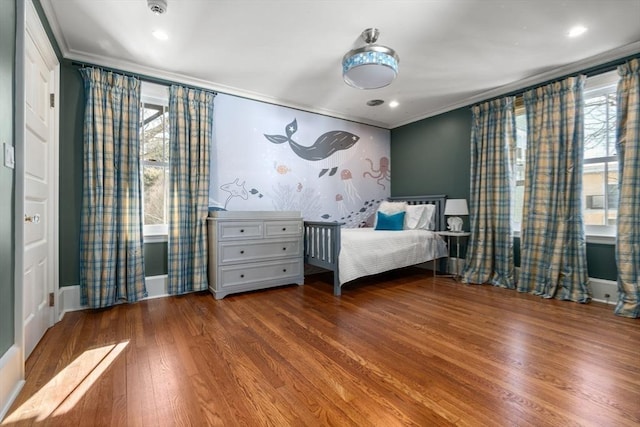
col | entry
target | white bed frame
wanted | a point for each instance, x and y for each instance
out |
(322, 239)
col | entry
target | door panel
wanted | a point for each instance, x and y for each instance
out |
(38, 185)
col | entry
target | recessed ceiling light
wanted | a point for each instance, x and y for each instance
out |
(160, 35)
(576, 31)
(393, 104)
(375, 102)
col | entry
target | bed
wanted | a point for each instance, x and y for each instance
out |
(351, 253)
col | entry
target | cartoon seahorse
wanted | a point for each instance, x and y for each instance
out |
(326, 145)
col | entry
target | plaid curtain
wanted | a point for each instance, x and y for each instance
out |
(111, 252)
(628, 221)
(553, 245)
(493, 139)
(190, 138)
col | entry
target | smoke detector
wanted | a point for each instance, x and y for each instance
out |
(157, 6)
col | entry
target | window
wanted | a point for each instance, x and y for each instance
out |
(154, 146)
(600, 174)
(521, 157)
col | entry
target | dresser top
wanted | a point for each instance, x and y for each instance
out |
(254, 214)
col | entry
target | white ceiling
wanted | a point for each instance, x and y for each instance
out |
(452, 52)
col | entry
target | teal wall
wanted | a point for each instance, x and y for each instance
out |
(7, 190)
(70, 170)
(432, 156)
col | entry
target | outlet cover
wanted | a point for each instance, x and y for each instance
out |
(9, 158)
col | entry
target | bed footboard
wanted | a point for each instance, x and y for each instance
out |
(322, 247)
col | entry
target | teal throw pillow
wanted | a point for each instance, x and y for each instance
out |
(394, 222)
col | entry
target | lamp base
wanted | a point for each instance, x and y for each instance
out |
(455, 224)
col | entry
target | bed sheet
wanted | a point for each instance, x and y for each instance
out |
(365, 251)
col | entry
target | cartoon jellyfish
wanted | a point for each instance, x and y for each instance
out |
(349, 188)
(342, 209)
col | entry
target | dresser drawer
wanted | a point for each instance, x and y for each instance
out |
(257, 250)
(246, 274)
(282, 228)
(240, 230)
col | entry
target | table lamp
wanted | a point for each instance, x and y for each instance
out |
(452, 209)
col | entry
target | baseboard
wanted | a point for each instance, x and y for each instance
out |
(602, 290)
(69, 296)
(157, 286)
(69, 300)
(11, 379)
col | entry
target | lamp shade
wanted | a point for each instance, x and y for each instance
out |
(456, 207)
(371, 66)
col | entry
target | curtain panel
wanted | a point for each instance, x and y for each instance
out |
(190, 138)
(553, 245)
(628, 220)
(493, 142)
(111, 251)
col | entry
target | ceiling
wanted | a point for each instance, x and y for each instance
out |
(452, 52)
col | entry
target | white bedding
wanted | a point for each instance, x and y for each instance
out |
(365, 251)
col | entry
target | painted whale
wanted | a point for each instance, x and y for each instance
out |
(327, 144)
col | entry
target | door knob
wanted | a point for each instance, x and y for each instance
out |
(34, 219)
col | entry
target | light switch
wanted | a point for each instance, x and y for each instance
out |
(9, 158)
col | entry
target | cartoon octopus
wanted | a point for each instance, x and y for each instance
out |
(382, 174)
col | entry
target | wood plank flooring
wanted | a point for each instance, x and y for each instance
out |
(399, 349)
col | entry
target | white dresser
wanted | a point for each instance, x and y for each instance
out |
(251, 250)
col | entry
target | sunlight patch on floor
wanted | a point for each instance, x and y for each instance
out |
(66, 389)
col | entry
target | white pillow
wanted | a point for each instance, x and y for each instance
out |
(413, 217)
(420, 217)
(429, 222)
(391, 208)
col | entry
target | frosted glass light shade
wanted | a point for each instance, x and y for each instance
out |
(456, 207)
(370, 67)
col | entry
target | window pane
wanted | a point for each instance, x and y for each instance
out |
(600, 188)
(612, 116)
(154, 179)
(155, 135)
(521, 157)
(599, 126)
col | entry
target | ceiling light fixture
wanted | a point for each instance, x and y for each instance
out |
(576, 31)
(371, 66)
(157, 6)
(160, 35)
(393, 104)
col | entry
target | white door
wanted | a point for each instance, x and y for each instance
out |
(40, 184)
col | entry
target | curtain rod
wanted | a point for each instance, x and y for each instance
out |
(589, 72)
(141, 77)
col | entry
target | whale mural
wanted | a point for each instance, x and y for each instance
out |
(268, 157)
(327, 144)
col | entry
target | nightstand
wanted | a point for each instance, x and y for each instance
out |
(457, 235)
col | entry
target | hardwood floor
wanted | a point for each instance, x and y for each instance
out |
(402, 348)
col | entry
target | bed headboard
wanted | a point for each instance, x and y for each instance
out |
(438, 200)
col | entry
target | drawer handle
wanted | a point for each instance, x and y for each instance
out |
(284, 228)
(284, 249)
(242, 230)
(241, 252)
(284, 270)
(242, 276)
